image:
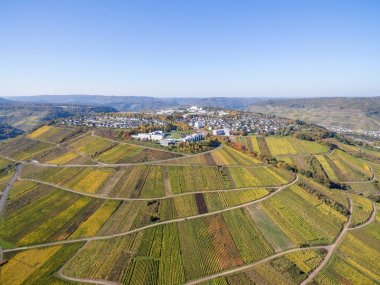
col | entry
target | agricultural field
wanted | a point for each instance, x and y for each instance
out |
(96, 213)
(37, 266)
(356, 260)
(343, 167)
(53, 134)
(363, 209)
(23, 148)
(303, 218)
(222, 156)
(289, 269)
(39, 213)
(112, 152)
(277, 146)
(366, 189)
(82, 179)
(151, 181)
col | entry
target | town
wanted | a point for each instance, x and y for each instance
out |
(199, 122)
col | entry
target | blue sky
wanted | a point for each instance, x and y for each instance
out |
(190, 47)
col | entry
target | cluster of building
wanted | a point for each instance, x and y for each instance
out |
(209, 120)
(247, 122)
(340, 130)
(162, 138)
(106, 121)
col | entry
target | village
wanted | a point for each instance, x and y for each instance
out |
(201, 122)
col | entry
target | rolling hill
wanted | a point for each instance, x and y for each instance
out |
(85, 209)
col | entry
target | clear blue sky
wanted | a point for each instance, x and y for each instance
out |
(190, 47)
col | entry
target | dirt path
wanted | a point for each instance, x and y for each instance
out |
(361, 182)
(143, 146)
(167, 187)
(5, 193)
(151, 225)
(249, 266)
(332, 249)
(329, 152)
(169, 195)
(4, 197)
(101, 164)
(329, 248)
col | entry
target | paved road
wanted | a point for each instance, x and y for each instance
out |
(7, 187)
(151, 225)
(4, 197)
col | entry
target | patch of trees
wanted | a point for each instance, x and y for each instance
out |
(322, 197)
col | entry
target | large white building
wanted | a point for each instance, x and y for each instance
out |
(193, 137)
(153, 136)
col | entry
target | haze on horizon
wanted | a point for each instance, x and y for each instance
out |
(190, 48)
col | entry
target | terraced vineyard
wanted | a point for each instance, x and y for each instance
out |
(85, 209)
(275, 145)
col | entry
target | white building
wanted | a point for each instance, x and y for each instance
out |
(153, 136)
(167, 142)
(198, 124)
(221, 132)
(193, 137)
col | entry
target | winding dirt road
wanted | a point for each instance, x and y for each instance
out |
(93, 238)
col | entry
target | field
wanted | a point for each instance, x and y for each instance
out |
(343, 167)
(362, 209)
(53, 134)
(223, 156)
(22, 148)
(356, 260)
(277, 146)
(107, 211)
(40, 213)
(151, 181)
(36, 266)
(290, 269)
(303, 218)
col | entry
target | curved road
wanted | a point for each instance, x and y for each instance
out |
(329, 248)
(93, 238)
(98, 196)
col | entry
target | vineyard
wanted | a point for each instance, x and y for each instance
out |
(223, 156)
(356, 260)
(341, 166)
(106, 211)
(292, 268)
(277, 146)
(148, 181)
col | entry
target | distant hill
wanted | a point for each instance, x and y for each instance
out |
(140, 103)
(7, 131)
(359, 113)
(27, 115)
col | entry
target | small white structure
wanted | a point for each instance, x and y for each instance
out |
(193, 137)
(167, 142)
(153, 136)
